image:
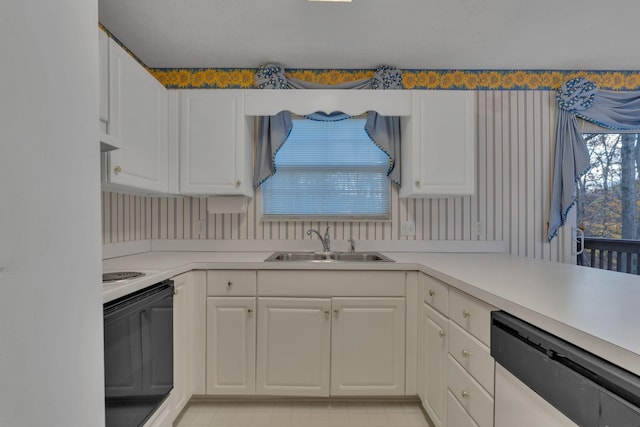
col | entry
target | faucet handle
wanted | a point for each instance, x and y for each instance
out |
(352, 246)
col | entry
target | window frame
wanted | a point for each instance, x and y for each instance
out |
(386, 218)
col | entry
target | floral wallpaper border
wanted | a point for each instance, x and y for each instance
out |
(243, 78)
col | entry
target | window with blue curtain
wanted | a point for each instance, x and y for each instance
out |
(328, 170)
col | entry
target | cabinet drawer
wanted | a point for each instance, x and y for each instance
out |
(331, 283)
(470, 394)
(436, 294)
(456, 414)
(231, 283)
(473, 315)
(472, 355)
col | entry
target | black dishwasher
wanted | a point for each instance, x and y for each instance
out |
(138, 354)
(586, 388)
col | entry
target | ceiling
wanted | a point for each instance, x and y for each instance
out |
(363, 34)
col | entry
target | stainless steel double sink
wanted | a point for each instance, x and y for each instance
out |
(329, 257)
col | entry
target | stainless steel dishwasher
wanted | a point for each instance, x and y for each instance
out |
(542, 380)
(138, 354)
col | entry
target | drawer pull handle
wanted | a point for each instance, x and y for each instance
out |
(465, 354)
(229, 284)
(327, 312)
(336, 311)
(250, 311)
(117, 169)
(464, 394)
(441, 333)
(466, 313)
(238, 183)
(431, 292)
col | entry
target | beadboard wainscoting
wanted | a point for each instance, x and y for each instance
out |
(515, 149)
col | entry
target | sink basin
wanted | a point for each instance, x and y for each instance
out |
(329, 257)
(360, 256)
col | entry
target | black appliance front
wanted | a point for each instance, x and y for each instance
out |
(138, 354)
(587, 389)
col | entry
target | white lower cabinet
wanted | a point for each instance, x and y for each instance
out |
(182, 347)
(434, 360)
(294, 338)
(457, 416)
(231, 348)
(231, 332)
(368, 346)
(474, 398)
(456, 367)
(339, 346)
(188, 334)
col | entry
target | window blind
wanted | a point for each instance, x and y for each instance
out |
(328, 170)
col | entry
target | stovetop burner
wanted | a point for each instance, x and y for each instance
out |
(118, 276)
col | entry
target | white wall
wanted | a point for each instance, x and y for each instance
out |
(515, 145)
(51, 370)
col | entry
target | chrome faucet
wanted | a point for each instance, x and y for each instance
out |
(326, 241)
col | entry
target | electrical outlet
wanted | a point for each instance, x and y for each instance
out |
(478, 232)
(408, 228)
(201, 227)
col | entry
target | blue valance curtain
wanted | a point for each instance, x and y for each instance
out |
(273, 131)
(580, 97)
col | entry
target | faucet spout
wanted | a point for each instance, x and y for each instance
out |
(325, 240)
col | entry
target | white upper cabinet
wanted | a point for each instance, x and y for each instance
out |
(216, 143)
(438, 144)
(137, 117)
(107, 142)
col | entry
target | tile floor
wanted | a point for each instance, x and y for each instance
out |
(303, 414)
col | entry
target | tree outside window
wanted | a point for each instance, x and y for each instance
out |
(609, 194)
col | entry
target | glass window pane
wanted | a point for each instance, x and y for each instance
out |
(328, 169)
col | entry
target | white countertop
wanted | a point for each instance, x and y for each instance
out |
(594, 309)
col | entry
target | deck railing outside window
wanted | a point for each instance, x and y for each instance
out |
(611, 254)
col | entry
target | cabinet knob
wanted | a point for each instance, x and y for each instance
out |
(238, 183)
(175, 291)
(465, 353)
(466, 313)
(117, 169)
(441, 333)
(327, 312)
(229, 284)
(250, 311)
(464, 394)
(336, 311)
(418, 183)
(431, 292)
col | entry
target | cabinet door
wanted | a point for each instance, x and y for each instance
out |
(182, 342)
(368, 346)
(434, 365)
(215, 143)
(231, 348)
(293, 346)
(103, 70)
(439, 145)
(138, 112)
(458, 416)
